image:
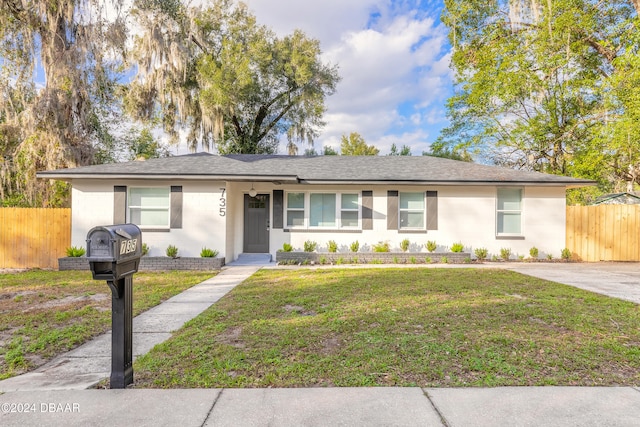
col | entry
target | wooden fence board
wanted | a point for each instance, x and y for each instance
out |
(604, 233)
(33, 237)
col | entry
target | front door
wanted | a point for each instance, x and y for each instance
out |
(256, 223)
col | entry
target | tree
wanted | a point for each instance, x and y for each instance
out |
(404, 151)
(448, 153)
(57, 80)
(355, 145)
(535, 83)
(328, 150)
(226, 79)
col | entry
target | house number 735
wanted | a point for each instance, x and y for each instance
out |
(223, 202)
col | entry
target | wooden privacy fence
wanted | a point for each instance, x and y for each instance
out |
(33, 238)
(604, 233)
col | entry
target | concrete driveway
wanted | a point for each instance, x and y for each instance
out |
(615, 279)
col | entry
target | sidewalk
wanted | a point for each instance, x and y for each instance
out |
(56, 394)
(368, 407)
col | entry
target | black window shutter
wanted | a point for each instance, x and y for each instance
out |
(432, 210)
(367, 210)
(176, 206)
(392, 210)
(119, 204)
(278, 208)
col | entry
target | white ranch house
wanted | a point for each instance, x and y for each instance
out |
(255, 203)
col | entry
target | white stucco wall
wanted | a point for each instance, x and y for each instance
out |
(202, 224)
(465, 214)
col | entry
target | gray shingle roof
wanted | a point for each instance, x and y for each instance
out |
(317, 169)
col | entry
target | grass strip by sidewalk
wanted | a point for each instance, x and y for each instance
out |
(45, 313)
(400, 327)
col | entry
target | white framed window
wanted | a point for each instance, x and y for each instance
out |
(412, 211)
(509, 212)
(349, 210)
(323, 210)
(295, 210)
(149, 207)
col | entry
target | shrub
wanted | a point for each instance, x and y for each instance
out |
(428, 260)
(75, 251)
(396, 260)
(286, 247)
(145, 249)
(565, 254)
(354, 246)
(310, 246)
(375, 261)
(549, 257)
(431, 246)
(381, 247)
(404, 245)
(533, 252)
(208, 253)
(457, 247)
(505, 253)
(340, 261)
(322, 260)
(444, 260)
(413, 260)
(332, 246)
(172, 251)
(521, 257)
(481, 253)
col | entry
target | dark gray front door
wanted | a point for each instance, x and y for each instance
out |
(256, 223)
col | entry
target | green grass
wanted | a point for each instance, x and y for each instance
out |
(409, 327)
(45, 313)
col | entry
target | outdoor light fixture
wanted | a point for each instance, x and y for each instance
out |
(253, 191)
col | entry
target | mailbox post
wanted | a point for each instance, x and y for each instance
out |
(114, 253)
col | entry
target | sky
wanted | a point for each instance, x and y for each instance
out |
(393, 58)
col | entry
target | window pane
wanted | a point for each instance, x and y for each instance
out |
(509, 223)
(150, 217)
(411, 219)
(349, 201)
(322, 210)
(411, 200)
(157, 197)
(295, 218)
(295, 200)
(509, 199)
(349, 219)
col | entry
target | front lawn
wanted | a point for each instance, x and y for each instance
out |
(45, 313)
(400, 327)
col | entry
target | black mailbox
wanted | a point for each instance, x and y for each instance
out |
(114, 251)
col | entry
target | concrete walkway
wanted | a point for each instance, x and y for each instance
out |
(90, 363)
(56, 395)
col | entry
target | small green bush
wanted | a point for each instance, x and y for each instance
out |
(75, 251)
(376, 261)
(172, 251)
(505, 253)
(340, 261)
(549, 257)
(431, 246)
(322, 260)
(457, 247)
(354, 246)
(533, 252)
(310, 246)
(396, 260)
(145, 249)
(428, 260)
(565, 254)
(444, 260)
(332, 246)
(413, 260)
(404, 245)
(481, 253)
(286, 247)
(208, 253)
(381, 247)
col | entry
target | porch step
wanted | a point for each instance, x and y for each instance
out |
(252, 259)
